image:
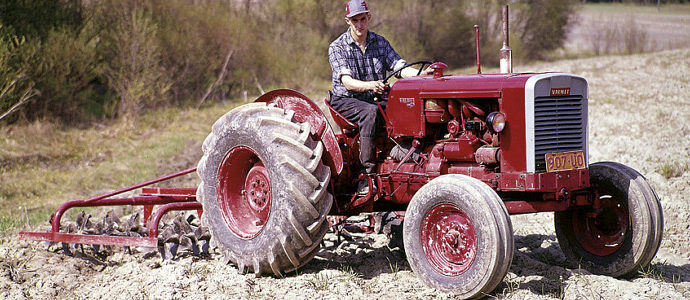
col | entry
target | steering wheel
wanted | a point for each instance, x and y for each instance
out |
(421, 62)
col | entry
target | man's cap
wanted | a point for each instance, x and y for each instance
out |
(355, 7)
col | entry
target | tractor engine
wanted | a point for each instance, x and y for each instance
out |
(515, 132)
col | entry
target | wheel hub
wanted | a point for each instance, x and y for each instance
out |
(602, 230)
(448, 239)
(257, 192)
(244, 192)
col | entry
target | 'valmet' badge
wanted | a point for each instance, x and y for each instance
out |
(560, 92)
(407, 101)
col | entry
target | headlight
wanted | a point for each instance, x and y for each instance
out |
(497, 121)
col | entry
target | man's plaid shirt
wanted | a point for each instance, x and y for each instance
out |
(346, 58)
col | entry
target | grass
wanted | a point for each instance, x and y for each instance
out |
(319, 282)
(672, 169)
(652, 272)
(350, 273)
(395, 268)
(512, 284)
(43, 165)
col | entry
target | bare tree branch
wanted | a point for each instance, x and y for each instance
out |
(218, 80)
(28, 94)
(9, 86)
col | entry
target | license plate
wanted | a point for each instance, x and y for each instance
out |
(565, 161)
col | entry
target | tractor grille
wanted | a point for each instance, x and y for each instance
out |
(559, 126)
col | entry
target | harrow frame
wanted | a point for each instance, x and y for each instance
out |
(169, 199)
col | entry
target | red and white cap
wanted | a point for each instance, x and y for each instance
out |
(355, 7)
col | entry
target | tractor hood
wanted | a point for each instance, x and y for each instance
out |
(528, 101)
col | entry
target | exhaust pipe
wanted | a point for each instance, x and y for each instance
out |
(476, 41)
(506, 63)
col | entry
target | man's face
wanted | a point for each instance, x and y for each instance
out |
(359, 24)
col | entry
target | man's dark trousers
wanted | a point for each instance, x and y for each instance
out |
(362, 112)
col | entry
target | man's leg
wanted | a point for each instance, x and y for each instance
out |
(364, 115)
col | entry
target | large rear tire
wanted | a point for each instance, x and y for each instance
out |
(264, 189)
(458, 236)
(623, 235)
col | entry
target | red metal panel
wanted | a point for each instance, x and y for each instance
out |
(524, 207)
(512, 104)
(399, 186)
(405, 109)
(307, 111)
(544, 182)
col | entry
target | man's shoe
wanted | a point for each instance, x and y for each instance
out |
(363, 187)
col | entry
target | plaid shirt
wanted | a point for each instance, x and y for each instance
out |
(346, 58)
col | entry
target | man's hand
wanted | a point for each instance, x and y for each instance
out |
(428, 71)
(377, 86)
(363, 86)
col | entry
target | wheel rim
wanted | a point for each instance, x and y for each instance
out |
(602, 231)
(448, 239)
(244, 192)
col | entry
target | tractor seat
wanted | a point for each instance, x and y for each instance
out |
(339, 119)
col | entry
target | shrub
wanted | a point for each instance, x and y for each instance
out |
(541, 26)
(634, 38)
(621, 37)
(133, 65)
(15, 89)
(64, 66)
(117, 57)
(36, 18)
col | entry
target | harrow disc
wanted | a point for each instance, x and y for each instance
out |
(179, 235)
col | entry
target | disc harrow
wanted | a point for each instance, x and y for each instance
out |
(142, 229)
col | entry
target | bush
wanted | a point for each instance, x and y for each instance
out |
(15, 89)
(622, 37)
(64, 67)
(133, 66)
(36, 18)
(115, 58)
(541, 26)
(443, 30)
(439, 30)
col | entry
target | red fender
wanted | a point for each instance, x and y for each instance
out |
(306, 111)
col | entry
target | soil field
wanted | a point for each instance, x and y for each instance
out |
(665, 29)
(639, 109)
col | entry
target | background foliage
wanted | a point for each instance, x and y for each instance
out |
(105, 59)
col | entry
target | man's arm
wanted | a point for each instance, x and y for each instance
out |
(356, 85)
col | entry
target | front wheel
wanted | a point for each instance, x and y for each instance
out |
(458, 236)
(621, 233)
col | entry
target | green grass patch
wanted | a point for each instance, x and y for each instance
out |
(42, 165)
(672, 169)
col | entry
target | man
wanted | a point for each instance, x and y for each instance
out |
(359, 59)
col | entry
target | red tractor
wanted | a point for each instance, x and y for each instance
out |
(457, 153)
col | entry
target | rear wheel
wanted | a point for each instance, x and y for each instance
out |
(623, 234)
(263, 189)
(458, 236)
